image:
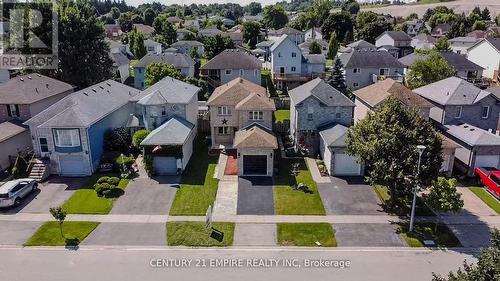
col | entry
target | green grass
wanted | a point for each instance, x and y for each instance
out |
(203, 61)
(443, 237)
(487, 198)
(281, 115)
(383, 195)
(198, 186)
(49, 234)
(196, 234)
(292, 202)
(306, 234)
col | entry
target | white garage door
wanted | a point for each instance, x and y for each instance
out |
(165, 165)
(346, 165)
(487, 161)
(73, 166)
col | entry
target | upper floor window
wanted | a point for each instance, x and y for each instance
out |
(310, 113)
(255, 115)
(67, 137)
(163, 111)
(458, 112)
(279, 54)
(223, 130)
(223, 110)
(485, 112)
(356, 70)
(294, 54)
(229, 71)
(241, 72)
(13, 110)
(294, 69)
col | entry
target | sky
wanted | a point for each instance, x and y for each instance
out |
(187, 2)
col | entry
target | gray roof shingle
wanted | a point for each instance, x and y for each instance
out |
(175, 131)
(176, 59)
(30, 88)
(192, 43)
(369, 59)
(335, 136)
(458, 62)
(167, 90)
(396, 35)
(10, 129)
(321, 90)
(472, 136)
(233, 59)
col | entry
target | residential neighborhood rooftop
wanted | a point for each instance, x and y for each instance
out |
(255, 136)
(396, 35)
(236, 91)
(233, 59)
(175, 131)
(10, 129)
(322, 91)
(176, 59)
(335, 135)
(472, 135)
(30, 88)
(167, 90)
(369, 59)
(457, 61)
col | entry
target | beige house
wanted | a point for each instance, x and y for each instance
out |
(241, 117)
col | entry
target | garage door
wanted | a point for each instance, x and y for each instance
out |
(73, 166)
(165, 165)
(346, 165)
(487, 161)
(255, 164)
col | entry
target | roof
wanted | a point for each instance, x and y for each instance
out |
(477, 34)
(495, 42)
(463, 39)
(233, 59)
(279, 41)
(320, 90)
(182, 30)
(267, 43)
(452, 91)
(369, 59)
(31, 88)
(176, 59)
(388, 47)
(175, 131)
(149, 42)
(83, 108)
(146, 29)
(188, 43)
(210, 31)
(167, 90)
(133, 122)
(472, 135)
(10, 129)
(335, 136)
(444, 27)
(426, 38)
(285, 30)
(458, 62)
(119, 58)
(361, 44)
(396, 35)
(315, 58)
(376, 93)
(255, 136)
(410, 59)
(254, 101)
(237, 91)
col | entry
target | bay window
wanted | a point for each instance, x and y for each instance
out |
(67, 137)
(255, 115)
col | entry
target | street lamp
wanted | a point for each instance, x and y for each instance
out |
(420, 149)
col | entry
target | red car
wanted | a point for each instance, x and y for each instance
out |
(490, 178)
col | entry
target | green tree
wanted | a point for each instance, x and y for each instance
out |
(115, 13)
(341, 23)
(194, 54)
(157, 71)
(333, 46)
(164, 29)
(60, 215)
(370, 25)
(442, 45)
(136, 45)
(254, 8)
(149, 16)
(275, 16)
(385, 142)
(443, 197)
(485, 14)
(441, 18)
(426, 71)
(214, 45)
(479, 25)
(314, 48)
(350, 6)
(251, 31)
(497, 19)
(138, 137)
(135, 19)
(337, 80)
(125, 22)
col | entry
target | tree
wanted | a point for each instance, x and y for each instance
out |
(149, 16)
(385, 141)
(251, 31)
(164, 29)
(442, 45)
(479, 25)
(275, 16)
(60, 215)
(157, 71)
(441, 18)
(254, 8)
(337, 80)
(486, 268)
(350, 6)
(443, 197)
(370, 25)
(115, 13)
(214, 45)
(485, 14)
(412, 16)
(314, 48)
(138, 137)
(125, 22)
(426, 71)
(497, 19)
(341, 23)
(333, 46)
(135, 19)
(194, 54)
(136, 43)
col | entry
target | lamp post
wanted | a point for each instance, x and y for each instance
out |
(420, 149)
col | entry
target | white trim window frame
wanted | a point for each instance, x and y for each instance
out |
(483, 116)
(356, 70)
(223, 130)
(67, 137)
(458, 112)
(223, 111)
(228, 72)
(256, 115)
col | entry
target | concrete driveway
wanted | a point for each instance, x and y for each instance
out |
(128, 234)
(17, 232)
(145, 196)
(367, 235)
(255, 234)
(255, 196)
(349, 196)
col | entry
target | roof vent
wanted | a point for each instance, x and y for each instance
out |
(36, 90)
(38, 74)
(22, 79)
(94, 90)
(47, 85)
(466, 126)
(85, 93)
(29, 77)
(472, 129)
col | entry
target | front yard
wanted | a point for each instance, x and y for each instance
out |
(442, 236)
(306, 234)
(383, 194)
(196, 234)
(288, 201)
(487, 198)
(49, 234)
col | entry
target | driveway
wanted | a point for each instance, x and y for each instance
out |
(367, 235)
(145, 196)
(17, 232)
(128, 234)
(349, 196)
(255, 234)
(255, 196)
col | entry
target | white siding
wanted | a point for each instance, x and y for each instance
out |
(486, 56)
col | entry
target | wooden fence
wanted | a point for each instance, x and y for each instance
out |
(281, 128)
(282, 103)
(203, 126)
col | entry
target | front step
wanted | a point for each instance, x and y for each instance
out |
(39, 170)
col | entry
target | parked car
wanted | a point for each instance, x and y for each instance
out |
(12, 192)
(490, 178)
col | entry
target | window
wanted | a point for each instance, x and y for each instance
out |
(279, 54)
(223, 110)
(356, 70)
(256, 72)
(241, 72)
(44, 146)
(355, 84)
(294, 69)
(485, 113)
(384, 71)
(294, 54)
(140, 70)
(310, 113)
(223, 130)
(338, 115)
(229, 71)
(458, 112)
(255, 115)
(13, 110)
(67, 137)
(163, 111)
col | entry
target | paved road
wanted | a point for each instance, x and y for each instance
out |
(135, 264)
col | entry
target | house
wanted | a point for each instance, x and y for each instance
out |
(256, 18)
(15, 138)
(152, 47)
(174, 20)
(208, 32)
(313, 106)
(289, 68)
(304, 47)
(486, 53)
(361, 45)
(395, 39)
(313, 33)
(192, 24)
(241, 117)
(121, 64)
(70, 133)
(230, 64)
(112, 31)
(479, 34)
(182, 62)
(236, 37)
(169, 109)
(441, 30)
(186, 47)
(181, 33)
(367, 66)
(413, 27)
(295, 35)
(460, 45)
(145, 29)
(423, 42)
(266, 47)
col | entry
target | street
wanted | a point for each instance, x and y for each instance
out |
(126, 263)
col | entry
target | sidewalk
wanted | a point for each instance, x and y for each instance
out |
(316, 175)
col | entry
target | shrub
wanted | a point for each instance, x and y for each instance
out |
(118, 139)
(128, 161)
(101, 188)
(114, 157)
(138, 137)
(109, 180)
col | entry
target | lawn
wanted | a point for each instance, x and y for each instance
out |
(196, 234)
(203, 61)
(293, 202)
(198, 187)
(383, 195)
(443, 237)
(281, 115)
(306, 234)
(86, 201)
(486, 197)
(49, 234)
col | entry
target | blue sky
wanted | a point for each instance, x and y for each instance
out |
(187, 2)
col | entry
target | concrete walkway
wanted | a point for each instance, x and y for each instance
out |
(316, 175)
(226, 200)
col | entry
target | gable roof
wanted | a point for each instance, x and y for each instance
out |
(426, 38)
(472, 135)
(255, 136)
(334, 136)
(233, 59)
(31, 88)
(83, 108)
(361, 44)
(463, 39)
(187, 43)
(149, 42)
(267, 43)
(320, 90)
(10, 129)
(175, 131)
(210, 31)
(238, 90)
(146, 29)
(494, 42)
(178, 60)
(369, 59)
(255, 101)
(285, 30)
(167, 90)
(280, 41)
(396, 35)
(458, 62)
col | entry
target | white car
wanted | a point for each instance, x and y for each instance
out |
(12, 192)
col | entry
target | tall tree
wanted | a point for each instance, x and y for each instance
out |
(251, 31)
(443, 197)
(216, 44)
(125, 22)
(370, 25)
(385, 141)
(442, 45)
(338, 22)
(115, 13)
(149, 16)
(333, 46)
(485, 14)
(164, 29)
(314, 48)
(254, 8)
(136, 43)
(157, 71)
(337, 80)
(426, 71)
(350, 6)
(275, 16)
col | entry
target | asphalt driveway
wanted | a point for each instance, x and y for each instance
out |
(367, 235)
(145, 196)
(255, 196)
(349, 196)
(128, 234)
(17, 232)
